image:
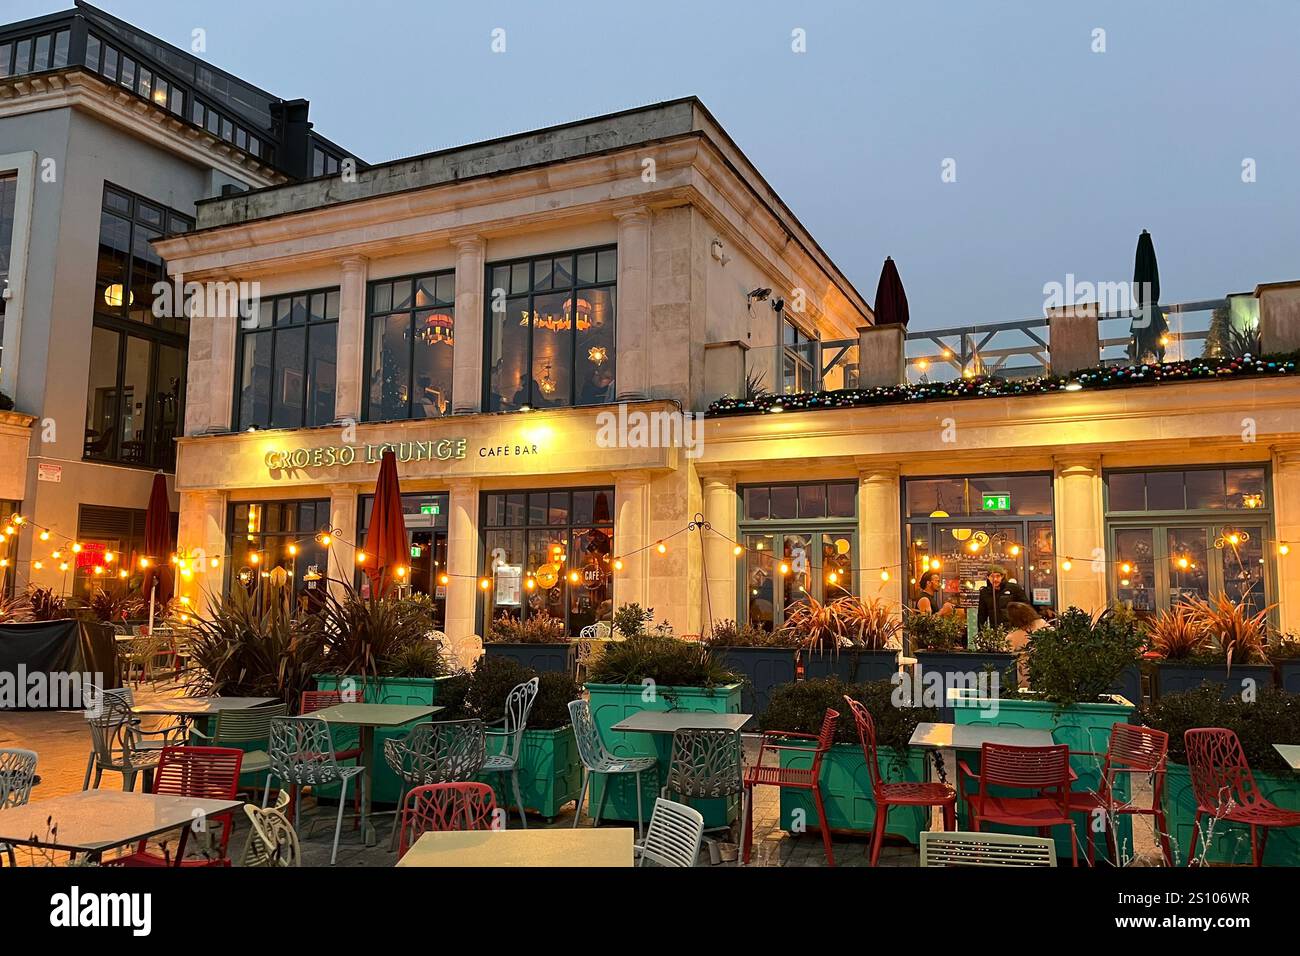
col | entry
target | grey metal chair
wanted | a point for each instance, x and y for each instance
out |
(519, 704)
(17, 769)
(249, 725)
(172, 735)
(302, 755)
(115, 742)
(449, 751)
(597, 760)
(674, 836)
(707, 765)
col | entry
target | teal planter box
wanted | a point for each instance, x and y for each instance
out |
(1083, 727)
(542, 658)
(610, 703)
(854, 667)
(764, 670)
(1174, 678)
(380, 690)
(1230, 842)
(550, 773)
(846, 791)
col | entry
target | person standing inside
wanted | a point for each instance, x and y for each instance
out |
(930, 602)
(995, 595)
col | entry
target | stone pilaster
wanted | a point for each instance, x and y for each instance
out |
(467, 375)
(719, 559)
(351, 374)
(1080, 533)
(1286, 512)
(633, 323)
(462, 558)
(631, 520)
(879, 534)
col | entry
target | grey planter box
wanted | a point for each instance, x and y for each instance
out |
(764, 670)
(1174, 678)
(540, 657)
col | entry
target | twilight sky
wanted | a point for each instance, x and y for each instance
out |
(1062, 154)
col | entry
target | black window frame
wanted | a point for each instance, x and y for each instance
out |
(303, 538)
(371, 314)
(246, 333)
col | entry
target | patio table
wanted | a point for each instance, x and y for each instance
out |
(197, 706)
(92, 821)
(671, 721)
(563, 846)
(1291, 754)
(366, 717)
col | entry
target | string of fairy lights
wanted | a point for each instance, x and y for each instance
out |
(66, 553)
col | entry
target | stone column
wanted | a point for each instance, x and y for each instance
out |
(720, 561)
(1074, 336)
(882, 356)
(467, 374)
(633, 321)
(631, 521)
(463, 592)
(880, 542)
(343, 549)
(210, 365)
(1080, 533)
(1286, 511)
(1279, 316)
(202, 528)
(350, 384)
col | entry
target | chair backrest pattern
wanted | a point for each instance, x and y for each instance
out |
(438, 752)
(249, 724)
(867, 739)
(272, 841)
(314, 700)
(940, 848)
(302, 751)
(441, 807)
(673, 837)
(1219, 770)
(706, 763)
(112, 730)
(591, 749)
(519, 704)
(17, 768)
(1030, 768)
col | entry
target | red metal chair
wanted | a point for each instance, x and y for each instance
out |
(1043, 770)
(314, 700)
(1225, 788)
(440, 807)
(1132, 750)
(889, 795)
(211, 773)
(792, 778)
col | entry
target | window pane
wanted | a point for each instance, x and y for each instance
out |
(321, 364)
(168, 405)
(506, 552)
(552, 350)
(1127, 492)
(255, 381)
(1165, 491)
(6, 54)
(589, 599)
(587, 267)
(946, 495)
(390, 367)
(549, 548)
(602, 509)
(784, 501)
(798, 557)
(842, 500)
(756, 502)
(1205, 490)
(331, 305)
(595, 344)
(837, 565)
(1134, 569)
(110, 273)
(519, 278)
(606, 265)
(401, 294)
(433, 364)
(287, 384)
(135, 396)
(582, 507)
(1244, 488)
(127, 75)
(146, 271)
(557, 511)
(1243, 567)
(509, 376)
(538, 504)
(760, 587)
(1188, 577)
(60, 49)
(101, 395)
(92, 52)
(812, 501)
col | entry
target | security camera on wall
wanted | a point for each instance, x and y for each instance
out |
(715, 249)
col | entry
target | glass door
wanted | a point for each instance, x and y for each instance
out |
(782, 567)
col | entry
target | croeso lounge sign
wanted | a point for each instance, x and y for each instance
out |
(326, 456)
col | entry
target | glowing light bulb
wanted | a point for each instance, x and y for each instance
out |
(123, 573)
(108, 557)
(293, 549)
(785, 568)
(737, 550)
(884, 575)
(98, 570)
(1015, 550)
(661, 548)
(1066, 564)
(484, 583)
(1183, 563)
(63, 565)
(832, 578)
(216, 562)
(361, 557)
(1126, 567)
(1283, 549)
(574, 577)
(530, 584)
(401, 571)
(254, 558)
(618, 564)
(76, 548)
(45, 536)
(37, 565)
(325, 540)
(56, 554)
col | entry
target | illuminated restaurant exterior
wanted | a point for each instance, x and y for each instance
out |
(482, 311)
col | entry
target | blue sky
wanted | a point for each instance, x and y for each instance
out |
(1063, 155)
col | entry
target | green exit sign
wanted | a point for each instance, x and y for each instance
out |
(430, 509)
(416, 550)
(997, 502)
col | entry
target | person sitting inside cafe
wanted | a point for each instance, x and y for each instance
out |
(995, 595)
(1024, 620)
(929, 602)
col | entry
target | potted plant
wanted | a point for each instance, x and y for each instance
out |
(1273, 717)
(845, 779)
(1218, 641)
(849, 638)
(940, 647)
(550, 774)
(538, 642)
(1071, 668)
(656, 673)
(1284, 652)
(766, 659)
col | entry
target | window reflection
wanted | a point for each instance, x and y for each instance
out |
(411, 347)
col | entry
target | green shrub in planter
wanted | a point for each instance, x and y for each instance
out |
(846, 779)
(537, 642)
(766, 659)
(1274, 717)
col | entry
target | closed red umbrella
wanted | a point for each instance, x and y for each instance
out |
(891, 300)
(385, 545)
(158, 545)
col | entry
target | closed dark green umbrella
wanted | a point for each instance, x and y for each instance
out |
(1149, 326)
(891, 300)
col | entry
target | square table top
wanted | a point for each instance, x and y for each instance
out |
(374, 715)
(198, 706)
(98, 819)
(1290, 753)
(562, 846)
(668, 722)
(974, 736)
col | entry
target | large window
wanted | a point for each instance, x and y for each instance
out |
(267, 535)
(34, 54)
(800, 539)
(410, 342)
(1190, 533)
(551, 331)
(798, 359)
(112, 541)
(550, 552)
(960, 527)
(286, 363)
(425, 516)
(136, 392)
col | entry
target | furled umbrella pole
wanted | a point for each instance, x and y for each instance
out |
(385, 544)
(891, 298)
(158, 546)
(1149, 328)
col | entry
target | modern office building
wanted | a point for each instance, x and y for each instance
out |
(108, 138)
(524, 322)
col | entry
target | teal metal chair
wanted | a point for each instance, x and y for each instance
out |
(239, 728)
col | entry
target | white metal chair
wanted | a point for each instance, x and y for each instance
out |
(249, 725)
(449, 751)
(115, 742)
(597, 760)
(519, 705)
(302, 754)
(17, 769)
(674, 836)
(963, 848)
(272, 841)
(173, 735)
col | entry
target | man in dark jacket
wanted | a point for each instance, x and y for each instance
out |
(996, 594)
